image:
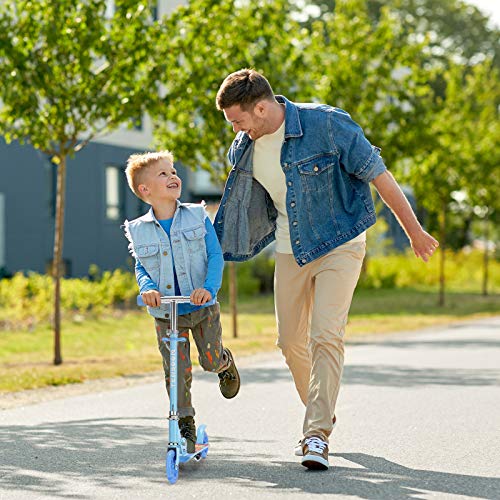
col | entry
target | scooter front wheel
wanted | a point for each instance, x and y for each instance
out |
(172, 470)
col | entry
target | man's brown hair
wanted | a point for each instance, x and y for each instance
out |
(245, 87)
(137, 164)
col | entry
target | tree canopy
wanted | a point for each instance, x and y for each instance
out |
(71, 73)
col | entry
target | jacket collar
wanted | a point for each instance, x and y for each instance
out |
(149, 216)
(292, 121)
(292, 128)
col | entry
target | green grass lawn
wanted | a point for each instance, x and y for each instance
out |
(126, 344)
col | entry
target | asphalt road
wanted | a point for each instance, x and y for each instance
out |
(418, 417)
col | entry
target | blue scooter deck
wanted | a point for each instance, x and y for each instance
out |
(188, 456)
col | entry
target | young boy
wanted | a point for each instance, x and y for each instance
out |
(177, 253)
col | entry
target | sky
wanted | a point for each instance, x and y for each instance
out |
(489, 7)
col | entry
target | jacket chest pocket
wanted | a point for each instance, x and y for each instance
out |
(317, 174)
(194, 237)
(149, 255)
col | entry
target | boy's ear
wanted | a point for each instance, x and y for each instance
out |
(143, 189)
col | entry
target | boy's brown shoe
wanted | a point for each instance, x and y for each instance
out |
(188, 432)
(229, 379)
(315, 453)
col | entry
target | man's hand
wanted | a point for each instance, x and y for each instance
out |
(200, 296)
(423, 245)
(151, 298)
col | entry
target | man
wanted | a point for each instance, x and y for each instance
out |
(301, 175)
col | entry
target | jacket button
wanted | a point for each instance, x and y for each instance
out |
(294, 223)
(297, 242)
(289, 183)
(165, 253)
(169, 286)
(304, 261)
(292, 204)
(315, 168)
(167, 315)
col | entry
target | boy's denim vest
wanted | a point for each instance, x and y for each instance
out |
(150, 244)
(328, 164)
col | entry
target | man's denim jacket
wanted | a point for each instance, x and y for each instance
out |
(328, 164)
(150, 244)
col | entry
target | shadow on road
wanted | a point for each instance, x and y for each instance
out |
(441, 344)
(380, 375)
(371, 478)
(399, 376)
(48, 459)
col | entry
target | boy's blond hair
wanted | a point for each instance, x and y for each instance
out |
(137, 164)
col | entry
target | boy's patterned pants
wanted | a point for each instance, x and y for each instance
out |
(207, 333)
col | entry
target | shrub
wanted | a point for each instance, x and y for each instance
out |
(27, 300)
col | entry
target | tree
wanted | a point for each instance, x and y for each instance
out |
(460, 155)
(71, 74)
(479, 101)
(341, 59)
(454, 27)
(372, 71)
(204, 49)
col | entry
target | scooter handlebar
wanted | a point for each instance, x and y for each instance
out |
(167, 299)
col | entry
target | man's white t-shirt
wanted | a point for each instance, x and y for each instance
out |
(268, 172)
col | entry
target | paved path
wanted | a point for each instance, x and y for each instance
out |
(419, 417)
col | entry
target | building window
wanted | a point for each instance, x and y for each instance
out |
(137, 124)
(51, 169)
(114, 192)
(2, 235)
(154, 11)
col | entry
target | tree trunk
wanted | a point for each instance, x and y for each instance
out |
(486, 255)
(233, 293)
(58, 251)
(442, 246)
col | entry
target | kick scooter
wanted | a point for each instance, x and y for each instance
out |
(177, 447)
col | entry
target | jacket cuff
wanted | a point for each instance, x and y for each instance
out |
(373, 167)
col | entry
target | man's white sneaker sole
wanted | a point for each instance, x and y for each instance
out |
(298, 449)
(314, 462)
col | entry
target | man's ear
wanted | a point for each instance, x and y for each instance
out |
(260, 108)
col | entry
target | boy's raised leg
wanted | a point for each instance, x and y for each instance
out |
(213, 357)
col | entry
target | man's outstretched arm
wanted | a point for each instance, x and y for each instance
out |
(423, 243)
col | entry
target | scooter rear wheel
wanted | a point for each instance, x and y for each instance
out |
(204, 453)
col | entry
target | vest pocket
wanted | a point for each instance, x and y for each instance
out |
(194, 237)
(149, 256)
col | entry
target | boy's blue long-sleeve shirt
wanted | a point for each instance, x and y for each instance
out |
(215, 266)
